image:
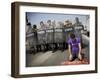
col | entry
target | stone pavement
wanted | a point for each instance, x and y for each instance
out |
(53, 59)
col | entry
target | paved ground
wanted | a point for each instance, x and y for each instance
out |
(50, 59)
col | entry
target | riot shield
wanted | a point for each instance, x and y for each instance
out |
(58, 37)
(42, 39)
(32, 42)
(77, 31)
(66, 33)
(50, 38)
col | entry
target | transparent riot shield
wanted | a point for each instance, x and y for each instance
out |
(78, 32)
(50, 38)
(32, 42)
(66, 33)
(58, 37)
(42, 39)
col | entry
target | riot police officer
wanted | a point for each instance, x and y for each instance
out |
(76, 27)
(50, 35)
(36, 45)
(43, 39)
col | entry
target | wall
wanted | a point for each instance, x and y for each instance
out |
(5, 40)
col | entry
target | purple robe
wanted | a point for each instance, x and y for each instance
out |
(74, 45)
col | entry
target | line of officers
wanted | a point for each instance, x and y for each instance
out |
(49, 37)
